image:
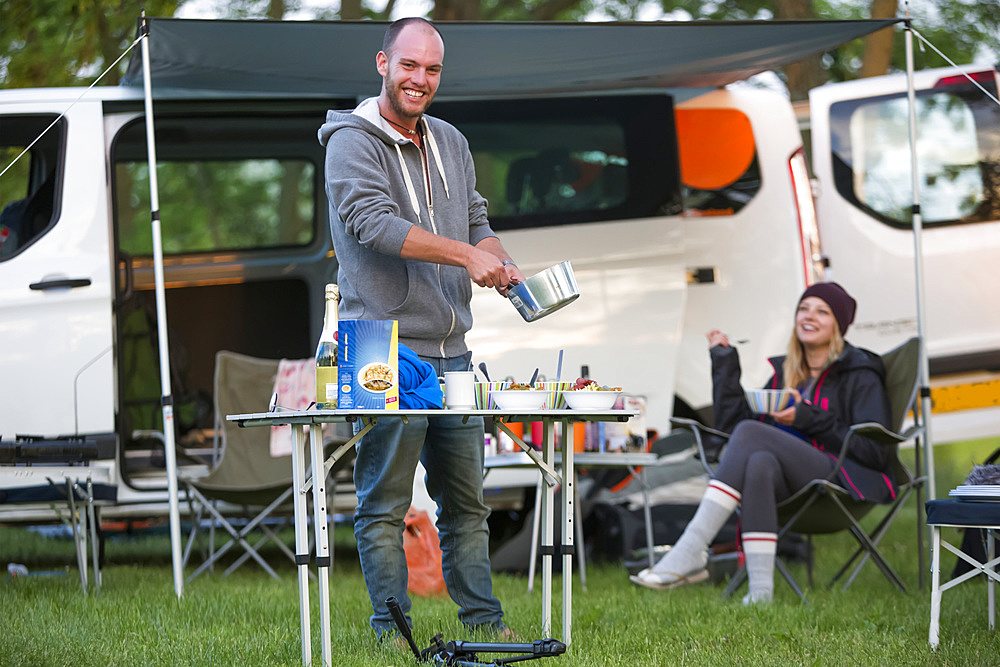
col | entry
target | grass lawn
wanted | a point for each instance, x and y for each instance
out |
(250, 619)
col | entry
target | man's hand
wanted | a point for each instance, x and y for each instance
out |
(486, 269)
(510, 275)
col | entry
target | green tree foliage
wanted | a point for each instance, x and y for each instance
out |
(959, 28)
(69, 42)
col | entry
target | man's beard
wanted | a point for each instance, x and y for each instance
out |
(396, 103)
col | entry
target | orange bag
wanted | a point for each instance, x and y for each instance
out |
(423, 555)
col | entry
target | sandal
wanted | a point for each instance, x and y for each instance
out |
(664, 581)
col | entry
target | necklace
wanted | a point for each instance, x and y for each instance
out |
(397, 125)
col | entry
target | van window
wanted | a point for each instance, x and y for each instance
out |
(28, 192)
(223, 183)
(958, 148)
(719, 169)
(571, 160)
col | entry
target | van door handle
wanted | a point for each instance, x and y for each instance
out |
(60, 283)
(701, 275)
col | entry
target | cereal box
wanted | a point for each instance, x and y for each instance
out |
(368, 368)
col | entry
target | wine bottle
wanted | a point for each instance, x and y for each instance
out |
(326, 352)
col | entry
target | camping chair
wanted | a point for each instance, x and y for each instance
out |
(245, 482)
(824, 507)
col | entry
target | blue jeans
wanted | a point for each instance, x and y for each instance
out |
(452, 453)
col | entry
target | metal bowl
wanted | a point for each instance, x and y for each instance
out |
(545, 292)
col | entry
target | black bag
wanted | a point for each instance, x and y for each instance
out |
(974, 539)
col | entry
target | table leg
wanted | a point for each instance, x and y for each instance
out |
(321, 522)
(95, 546)
(568, 530)
(647, 515)
(548, 503)
(990, 555)
(301, 537)
(79, 537)
(932, 637)
(580, 548)
(535, 521)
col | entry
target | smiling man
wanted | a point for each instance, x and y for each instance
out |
(411, 236)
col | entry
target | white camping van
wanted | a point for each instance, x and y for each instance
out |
(861, 158)
(676, 220)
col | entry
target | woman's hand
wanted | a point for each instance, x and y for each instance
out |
(716, 337)
(787, 416)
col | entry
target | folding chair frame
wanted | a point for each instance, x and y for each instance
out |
(236, 536)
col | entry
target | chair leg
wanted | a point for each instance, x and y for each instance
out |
(809, 559)
(780, 566)
(737, 580)
(921, 522)
(874, 537)
(862, 537)
(877, 558)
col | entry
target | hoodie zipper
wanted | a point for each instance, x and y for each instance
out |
(425, 169)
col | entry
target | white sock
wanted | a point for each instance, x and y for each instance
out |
(690, 554)
(760, 550)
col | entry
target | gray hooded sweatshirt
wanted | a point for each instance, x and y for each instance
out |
(379, 185)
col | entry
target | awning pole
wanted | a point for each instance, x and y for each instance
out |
(918, 261)
(166, 398)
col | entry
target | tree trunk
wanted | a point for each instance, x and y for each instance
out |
(807, 73)
(350, 10)
(455, 10)
(878, 45)
(276, 9)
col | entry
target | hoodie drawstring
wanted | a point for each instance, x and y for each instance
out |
(409, 183)
(410, 189)
(432, 145)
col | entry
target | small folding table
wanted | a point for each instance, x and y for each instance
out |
(545, 459)
(962, 514)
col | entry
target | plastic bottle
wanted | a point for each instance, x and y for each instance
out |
(326, 352)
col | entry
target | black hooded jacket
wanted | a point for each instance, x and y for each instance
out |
(849, 391)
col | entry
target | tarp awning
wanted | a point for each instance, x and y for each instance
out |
(337, 58)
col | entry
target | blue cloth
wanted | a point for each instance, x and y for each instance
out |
(419, 388)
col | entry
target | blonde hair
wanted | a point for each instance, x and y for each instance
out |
(796, 368)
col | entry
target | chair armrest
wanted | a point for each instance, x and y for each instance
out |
(697, 426)
(698, 429)
(876, 432)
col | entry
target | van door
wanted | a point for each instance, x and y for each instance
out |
(55, 272)
(861, 156)
(246, 248)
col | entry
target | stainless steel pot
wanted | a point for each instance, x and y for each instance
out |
(545, 292)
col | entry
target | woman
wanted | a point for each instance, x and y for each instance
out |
(770, 457)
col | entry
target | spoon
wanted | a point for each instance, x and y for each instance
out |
(482, 367)
(534, 376)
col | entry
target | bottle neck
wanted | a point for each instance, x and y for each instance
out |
(330, 320)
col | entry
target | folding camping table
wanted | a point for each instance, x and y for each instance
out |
(83, 488)
(300, 419)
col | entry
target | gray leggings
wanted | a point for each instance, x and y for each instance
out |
(767, 465)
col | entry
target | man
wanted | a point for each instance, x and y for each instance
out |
(411, 235)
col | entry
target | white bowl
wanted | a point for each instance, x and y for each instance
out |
(520, 399)
(766, 401)
(584, 399)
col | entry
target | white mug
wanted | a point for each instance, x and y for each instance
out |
(459, 390)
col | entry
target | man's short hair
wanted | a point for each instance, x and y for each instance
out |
(392, 32)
